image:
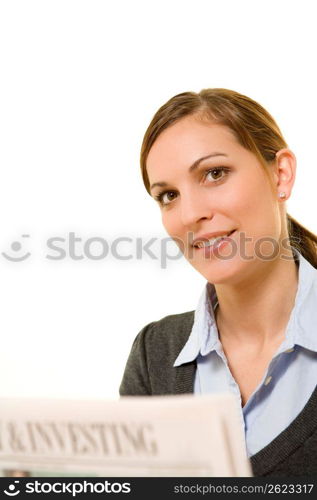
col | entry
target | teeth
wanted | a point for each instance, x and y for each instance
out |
(210, 242)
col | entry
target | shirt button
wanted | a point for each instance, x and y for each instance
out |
(290, 350)
(267, 380)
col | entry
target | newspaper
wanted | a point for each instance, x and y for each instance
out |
(134, 436)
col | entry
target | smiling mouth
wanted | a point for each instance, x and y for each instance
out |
(213, 241)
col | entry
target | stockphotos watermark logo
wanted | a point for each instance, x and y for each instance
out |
(13, 489)
(72, 246)
(66, 487)
(162, 250)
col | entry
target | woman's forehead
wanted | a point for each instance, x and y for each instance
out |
(189, 139)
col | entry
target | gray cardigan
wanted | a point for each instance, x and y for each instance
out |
(149, 371)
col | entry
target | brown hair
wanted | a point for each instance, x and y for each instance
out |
(254, 128)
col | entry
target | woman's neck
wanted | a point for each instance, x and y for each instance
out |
(258, 309)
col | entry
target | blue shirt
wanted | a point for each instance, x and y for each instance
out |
(290, 378)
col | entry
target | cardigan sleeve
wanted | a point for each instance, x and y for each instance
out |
(136, 379)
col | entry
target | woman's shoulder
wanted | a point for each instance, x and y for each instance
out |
(170, 329)
(164, 338)
(149, 369)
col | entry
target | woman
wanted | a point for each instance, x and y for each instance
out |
(221, 172)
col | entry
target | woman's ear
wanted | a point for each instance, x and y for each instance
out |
(284, 173)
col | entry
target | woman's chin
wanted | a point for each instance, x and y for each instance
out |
(221, 271)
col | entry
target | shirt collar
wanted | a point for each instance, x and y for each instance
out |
(204, 335)
(301, 328)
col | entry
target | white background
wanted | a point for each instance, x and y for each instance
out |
(80, 81)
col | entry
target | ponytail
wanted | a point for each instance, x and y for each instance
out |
(303, 240)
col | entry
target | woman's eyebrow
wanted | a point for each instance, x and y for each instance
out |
(191, 168)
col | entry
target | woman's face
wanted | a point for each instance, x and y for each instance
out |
(208, 186)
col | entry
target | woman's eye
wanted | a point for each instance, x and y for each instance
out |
(216, 173)
(166, 197)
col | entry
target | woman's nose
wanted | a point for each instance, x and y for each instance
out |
(195, 207)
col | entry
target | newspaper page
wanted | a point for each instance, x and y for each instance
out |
(175, 436)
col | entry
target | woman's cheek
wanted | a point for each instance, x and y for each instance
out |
(170, 223)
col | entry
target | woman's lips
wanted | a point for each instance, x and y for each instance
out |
(216, 247)
(216, 239)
